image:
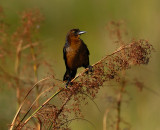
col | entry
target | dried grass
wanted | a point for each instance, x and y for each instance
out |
(48, 104)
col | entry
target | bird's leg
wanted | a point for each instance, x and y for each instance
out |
(71, 75)
(90, 68)
(68, 81)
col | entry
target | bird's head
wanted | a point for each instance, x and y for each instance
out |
(75, 34)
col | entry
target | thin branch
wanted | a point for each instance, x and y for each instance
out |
(17, 70)
(59, 112)
(33, 104)
(55, 94)
(105, 119)
(118, 50)
(119, 101)
(92, 101)
(59, 91)
(79, 75)
(20, 107)
(29, 45)
(78, 119)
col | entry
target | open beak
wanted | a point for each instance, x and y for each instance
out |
(81, 32)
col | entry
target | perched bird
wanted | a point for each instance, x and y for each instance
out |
(75, 54)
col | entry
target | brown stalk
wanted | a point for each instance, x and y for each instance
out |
(104, 119)
(119, 102)
(35, 67)
(29, 46)
(98, 62)
(33, 104)
(17, 71)
(59, 112)
(59, 91)
(39, 108)
(75, 89)
(78, 119)
(20, 107)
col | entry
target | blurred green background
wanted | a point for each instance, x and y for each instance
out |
(142, 18)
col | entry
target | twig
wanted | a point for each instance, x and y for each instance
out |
(119, 101)
(59, 91)
(81, 74)
(98, 62)
(59, 112)
(33, 104)
(29, 45)
(79, 119)
(17, 68)
(92, 101)
(104, 119)
(20, 107)
(42, 105)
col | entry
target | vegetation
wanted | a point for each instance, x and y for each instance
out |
(45, 103)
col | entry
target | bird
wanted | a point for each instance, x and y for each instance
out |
(75, 54)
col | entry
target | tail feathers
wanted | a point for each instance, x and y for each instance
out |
(69, 75)
(66, 76)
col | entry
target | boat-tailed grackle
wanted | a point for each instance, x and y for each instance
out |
(75, 54)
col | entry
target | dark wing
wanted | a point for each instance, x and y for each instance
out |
(64, 54)
(85, 46)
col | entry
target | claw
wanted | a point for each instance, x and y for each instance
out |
(90, 68)
(68, 81)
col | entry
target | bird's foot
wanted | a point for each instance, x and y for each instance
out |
(68, 83)
(90, 69)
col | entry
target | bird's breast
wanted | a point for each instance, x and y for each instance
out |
(73, 57)
(69, 50)
(77, 55)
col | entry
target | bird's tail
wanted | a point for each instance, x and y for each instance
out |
(69, 75)
(66, 76)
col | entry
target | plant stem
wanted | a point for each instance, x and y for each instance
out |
(119, 104)
(17, 71)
